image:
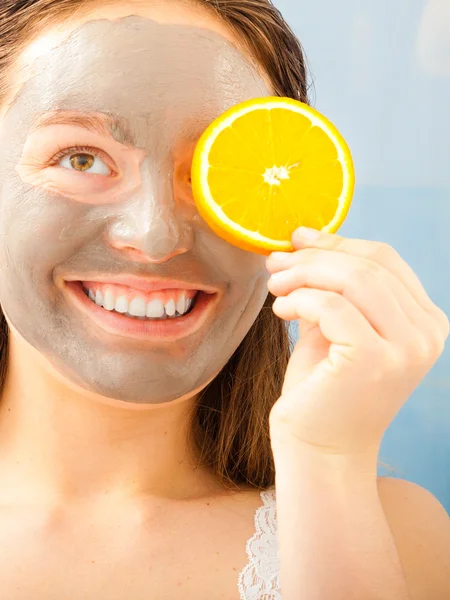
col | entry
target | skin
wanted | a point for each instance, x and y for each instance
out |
(99, 497)
(143, 221)
(95, 479)
(131, 400)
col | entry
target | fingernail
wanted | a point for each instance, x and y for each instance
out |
(306, 233)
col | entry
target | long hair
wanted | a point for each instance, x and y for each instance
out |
(230, 428)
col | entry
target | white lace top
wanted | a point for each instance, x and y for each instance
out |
(260, 578)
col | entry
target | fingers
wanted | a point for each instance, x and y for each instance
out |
(375, 293)
(378, 252)
(339, 320)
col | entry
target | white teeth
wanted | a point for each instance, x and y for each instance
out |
(109, 302)
(181, 305)
(138, 307)
(155, 309)
(170, 308)
(98, 298)
(121, 305)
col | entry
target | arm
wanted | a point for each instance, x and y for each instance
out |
(335, 541)
(344, 535)
(369, 334)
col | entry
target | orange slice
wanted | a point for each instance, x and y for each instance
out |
(268, 166)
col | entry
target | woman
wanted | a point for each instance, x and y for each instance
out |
(150, 405)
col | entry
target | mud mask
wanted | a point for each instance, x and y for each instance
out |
(141, 93)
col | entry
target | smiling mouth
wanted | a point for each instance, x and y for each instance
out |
(144, 314)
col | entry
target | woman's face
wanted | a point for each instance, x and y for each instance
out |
(95, 156)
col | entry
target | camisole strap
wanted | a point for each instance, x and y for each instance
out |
(260, 578)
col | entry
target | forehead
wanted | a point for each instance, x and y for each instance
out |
(148, 72)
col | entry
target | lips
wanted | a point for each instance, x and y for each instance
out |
(147, 284)
(165, 328)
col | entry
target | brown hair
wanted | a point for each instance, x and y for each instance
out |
(230, 432)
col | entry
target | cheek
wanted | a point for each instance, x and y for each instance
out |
(247, 276)
(259, 292)
(33, 226)
(243, 271)
(248, 293)
(252, 275)
(240, 263)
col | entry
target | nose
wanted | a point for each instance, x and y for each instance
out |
(151, 226)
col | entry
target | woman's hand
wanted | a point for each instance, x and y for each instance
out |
(369, 335)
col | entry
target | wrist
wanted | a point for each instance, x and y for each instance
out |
(293, 456)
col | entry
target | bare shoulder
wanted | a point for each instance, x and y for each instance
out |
(421, 528)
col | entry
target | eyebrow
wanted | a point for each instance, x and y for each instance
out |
(102, 123)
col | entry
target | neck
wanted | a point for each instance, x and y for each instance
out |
(61, 444)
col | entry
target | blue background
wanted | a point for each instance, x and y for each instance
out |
(381, 73)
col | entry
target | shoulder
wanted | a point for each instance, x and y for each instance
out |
(421, 528)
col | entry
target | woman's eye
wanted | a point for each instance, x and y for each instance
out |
(85, 163)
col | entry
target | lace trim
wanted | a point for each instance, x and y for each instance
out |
(260, 578)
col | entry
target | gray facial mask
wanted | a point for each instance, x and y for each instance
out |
(160, 85)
